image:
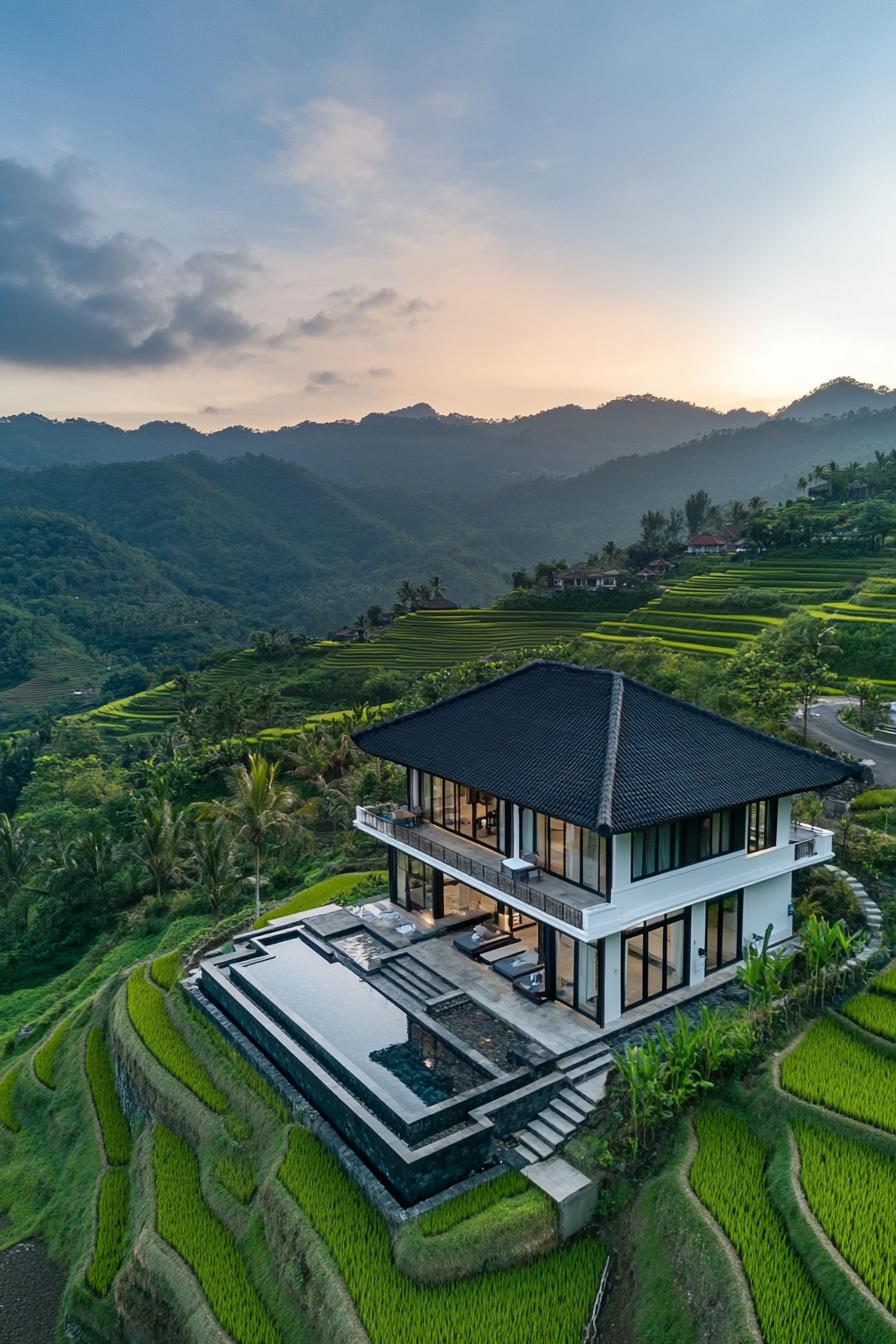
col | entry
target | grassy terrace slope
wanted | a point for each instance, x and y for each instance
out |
(704, 614)
(427, 640)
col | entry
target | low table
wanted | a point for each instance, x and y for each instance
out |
(517, 868)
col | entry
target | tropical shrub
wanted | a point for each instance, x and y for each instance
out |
(45, 1057)
(546, 1302)
(146, 1009)
(728, 1176)
(165, 969)
(7, 1096)
(236, 1175)
(184, 1220)
(851, 1189)
(862, 1085)
(114, 1126)
(874, 1012)
(111, 1230)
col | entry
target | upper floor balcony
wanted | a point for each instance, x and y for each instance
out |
(543, 893)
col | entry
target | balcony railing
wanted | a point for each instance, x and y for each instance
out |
(809, 840)
(491, 874)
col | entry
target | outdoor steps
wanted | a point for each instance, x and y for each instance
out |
(414, 979)
(586, 1070)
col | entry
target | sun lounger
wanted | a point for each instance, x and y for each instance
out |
(532, 985)
(518, 963)
(484, 938)
(499, 953)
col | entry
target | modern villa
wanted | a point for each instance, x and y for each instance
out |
(632, 841)
(575, 852)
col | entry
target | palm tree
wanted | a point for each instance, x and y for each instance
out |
(756, 504)
(259, 808)
(801, 483)
(16, 849)
(159, 843)
(406, 594)
(436, 587)
(213, 863)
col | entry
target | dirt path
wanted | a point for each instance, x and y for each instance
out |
(731, 1254)
(857, 1282)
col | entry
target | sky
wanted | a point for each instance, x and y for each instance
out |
(279, 210)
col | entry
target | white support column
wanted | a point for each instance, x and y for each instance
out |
(612, 986)
(698, 934)
(515, 830)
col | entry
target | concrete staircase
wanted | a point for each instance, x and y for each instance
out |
(586, 1077)
(870, 910)
(413, 978)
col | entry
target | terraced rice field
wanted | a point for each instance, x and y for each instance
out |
(676, 621)
(425, 640)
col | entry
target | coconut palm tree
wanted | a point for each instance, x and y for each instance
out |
(258, 809)
(158, 845)
(16, 852)
(436, 587)
(213, 863)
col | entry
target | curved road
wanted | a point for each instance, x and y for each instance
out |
(826, 727)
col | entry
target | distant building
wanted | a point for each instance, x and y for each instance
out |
(820, 490)
(436, 604)
(707, 543)
(859, 489)
(585, 580)
(344, 635)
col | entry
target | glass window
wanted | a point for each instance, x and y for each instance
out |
(655, 957)
(587, 983)
(762, 821)
(659, 849)
(723, 931)
(565, 968)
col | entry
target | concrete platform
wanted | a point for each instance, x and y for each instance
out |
(573, 1194)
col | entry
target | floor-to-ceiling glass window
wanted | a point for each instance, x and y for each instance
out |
(724, 920)
(588, 979)
(471, 812)
(568, 851)
(565, 972)
(654, 957)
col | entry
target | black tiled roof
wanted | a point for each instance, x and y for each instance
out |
(597, 748)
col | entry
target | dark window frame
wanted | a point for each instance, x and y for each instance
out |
(642, 931)
(476, 837)
(686, 838)
(762, 825)
(719, 963)
(604, 851)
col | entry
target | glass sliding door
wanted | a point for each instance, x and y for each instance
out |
(588, 980)
(654, 957)
(578, 855)
(565, 972)
(724, 920)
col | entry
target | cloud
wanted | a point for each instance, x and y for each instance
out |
(334, 150)
(354, 311)
(72, 299)
(326, 379)
(377, 372)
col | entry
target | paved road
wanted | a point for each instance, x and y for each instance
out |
(826, 727)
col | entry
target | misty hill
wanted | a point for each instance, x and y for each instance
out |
(256, 540)
(840, 396)
(413, 446)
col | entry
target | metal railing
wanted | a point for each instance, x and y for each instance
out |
(481, 872)
(804, 849)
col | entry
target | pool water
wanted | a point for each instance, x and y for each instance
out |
(362, 947)
(382, 1043)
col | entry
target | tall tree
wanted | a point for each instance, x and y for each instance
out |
(213, 863)
(158, 844)
(258, 809)
(696, 507)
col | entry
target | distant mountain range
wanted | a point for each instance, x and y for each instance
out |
(415, 447)
(245, 541)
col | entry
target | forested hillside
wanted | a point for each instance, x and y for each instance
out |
(456, 452)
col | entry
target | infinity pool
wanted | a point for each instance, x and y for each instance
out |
(379, 1040)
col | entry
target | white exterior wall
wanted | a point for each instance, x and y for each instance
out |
(768, 903)
(633, 902)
